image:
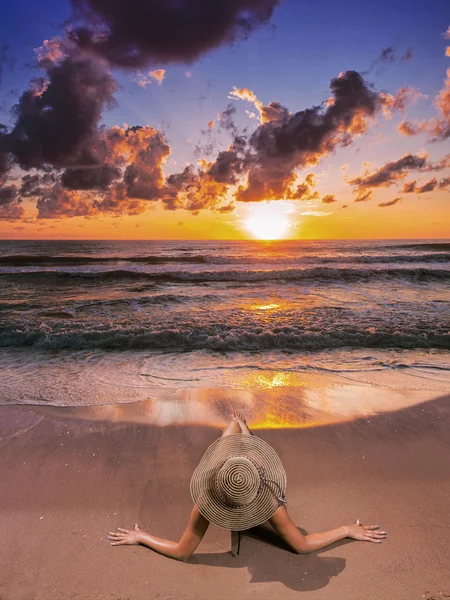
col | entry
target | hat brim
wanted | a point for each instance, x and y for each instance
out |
(203, 482)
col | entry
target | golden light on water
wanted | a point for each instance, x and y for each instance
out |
(267, 382)
(265, 306)
(268, 220)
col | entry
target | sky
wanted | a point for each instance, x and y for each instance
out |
(238, 119)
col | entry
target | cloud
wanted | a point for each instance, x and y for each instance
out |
(59, 202)
(193, 190)
(389, 203)
(408, 54)
(412, 187)
(52, 51)
(409, 129)
(145, 79)
(262, 165)
(278, 148)
(390, 173)
(329, 199)
(402, 99)
(129, 172)
(305, 190)
(273, 112)
(388, 56)
(10, 203)
(135, 33)
(438, 128)
(57, 117)
(363, 196)
(36, 185)
(315, 213)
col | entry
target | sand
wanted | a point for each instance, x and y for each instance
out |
(67, 480)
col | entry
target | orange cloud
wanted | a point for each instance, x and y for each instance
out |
(389, 203)
(145, 79)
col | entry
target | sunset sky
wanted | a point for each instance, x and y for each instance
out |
(157, 119)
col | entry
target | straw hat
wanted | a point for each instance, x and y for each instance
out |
(239, 483)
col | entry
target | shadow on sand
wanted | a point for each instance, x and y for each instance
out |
(273, 561)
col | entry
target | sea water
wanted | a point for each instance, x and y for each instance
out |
(103, 322)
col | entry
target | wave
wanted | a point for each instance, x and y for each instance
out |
(423, 246)
(317, 274)
(22, 260)
(196, 337)
(55, 261)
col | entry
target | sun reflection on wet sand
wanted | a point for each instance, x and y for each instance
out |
(271, 401)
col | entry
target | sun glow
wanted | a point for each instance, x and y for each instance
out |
(268, 220)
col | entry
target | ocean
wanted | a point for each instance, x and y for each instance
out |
(103, 322)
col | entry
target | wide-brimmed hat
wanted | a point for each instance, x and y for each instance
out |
(239, 483)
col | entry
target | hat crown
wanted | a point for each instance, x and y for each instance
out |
(238, 481)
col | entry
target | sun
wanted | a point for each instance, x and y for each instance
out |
(268, 220)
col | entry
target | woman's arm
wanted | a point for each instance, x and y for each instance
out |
(181, 550)
(287, 530)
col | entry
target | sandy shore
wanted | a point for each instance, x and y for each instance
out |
(66, 481)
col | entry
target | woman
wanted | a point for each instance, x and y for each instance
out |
(239, 484)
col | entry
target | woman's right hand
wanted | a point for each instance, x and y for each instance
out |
(365, 533)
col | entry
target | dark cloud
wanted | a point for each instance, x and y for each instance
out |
(131, 173)
(57, 117)
(387, 55)
(10, 203)
(193, 189)
(444, 183)
(278, 148)
(390, 173)
(59, 202)
(135, 33)
(230, 164)
(408, 54)
(36, 185)
(389, 202)
(409, 187)
(144, 176)
(90, 178)
(429, 186)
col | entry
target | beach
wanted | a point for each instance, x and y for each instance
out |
(122, 361)
(68, 479)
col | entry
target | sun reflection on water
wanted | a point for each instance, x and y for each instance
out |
(269, 400)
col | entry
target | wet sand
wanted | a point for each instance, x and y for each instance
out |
(67, 480)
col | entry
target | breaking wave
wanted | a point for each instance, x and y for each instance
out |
(219, 338)
(319, 274)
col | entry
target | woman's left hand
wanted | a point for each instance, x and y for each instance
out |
(123, 537)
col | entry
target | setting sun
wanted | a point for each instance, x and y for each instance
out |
(268, 221)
